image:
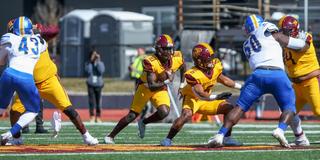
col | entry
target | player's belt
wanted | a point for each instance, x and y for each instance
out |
(269, 68)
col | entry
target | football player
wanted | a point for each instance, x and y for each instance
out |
(197, 96)
(158, 71)
(263, 48)
(50, 89)
(304, 72)
(22, 51)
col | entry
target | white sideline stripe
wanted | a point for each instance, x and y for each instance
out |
(188, 125)
(156, 152)
(193, 125)
(250, 132)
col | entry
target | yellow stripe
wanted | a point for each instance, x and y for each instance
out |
(254, 20)
(168, 38)
(21, 26)
(208, 47)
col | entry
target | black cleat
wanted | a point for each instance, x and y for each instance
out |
(41, 130)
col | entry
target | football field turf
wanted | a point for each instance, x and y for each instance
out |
(188, 144)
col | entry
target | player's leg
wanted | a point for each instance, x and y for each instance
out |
(6, 93)
(30, 98)
(161, 100)
(177, 125)
(52, 91)
(39, 120)
(280, 87)
(250, 92)
(295, 124)
(224, 108)
(141, 97)
(312, 93)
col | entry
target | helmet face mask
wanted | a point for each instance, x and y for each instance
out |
(164, 47)
(203, 55)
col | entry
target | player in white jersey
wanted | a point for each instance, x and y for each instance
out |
(263, 49)
(21, 50)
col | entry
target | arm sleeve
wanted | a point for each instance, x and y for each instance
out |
(88, 68)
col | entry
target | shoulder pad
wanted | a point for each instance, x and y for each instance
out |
(270, 27)
(6, 38)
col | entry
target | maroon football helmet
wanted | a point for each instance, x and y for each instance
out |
(290, 26)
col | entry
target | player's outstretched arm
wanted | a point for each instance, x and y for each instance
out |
(228, 82)
(183, 69)
(289, 42)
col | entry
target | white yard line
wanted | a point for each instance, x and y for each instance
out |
(156, 152)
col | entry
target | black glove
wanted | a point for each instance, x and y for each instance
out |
(223, 95)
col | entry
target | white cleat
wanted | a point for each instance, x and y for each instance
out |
(279, 135)
(216, 141)
(141, 128)
(15, 142)
(89, 140)
(5, 137)
(56, 123)
(108, 140)
(302, 140)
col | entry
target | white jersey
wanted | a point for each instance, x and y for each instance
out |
(24, 51)
(262, 49)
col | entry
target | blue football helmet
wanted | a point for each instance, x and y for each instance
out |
(22, 25)
(252, 23)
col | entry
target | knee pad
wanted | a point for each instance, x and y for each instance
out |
(71, 112)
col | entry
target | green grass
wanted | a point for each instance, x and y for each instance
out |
(116, 85)
(191, 134)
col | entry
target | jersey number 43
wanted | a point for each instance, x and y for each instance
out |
(24, 45)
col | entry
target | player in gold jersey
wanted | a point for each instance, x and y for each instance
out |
(50, 88)
(303, 69)
(197, 96)
(158, 71)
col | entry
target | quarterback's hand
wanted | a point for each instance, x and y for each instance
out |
(303, 35)
(223, 95)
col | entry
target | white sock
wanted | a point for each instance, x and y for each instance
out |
(296, 125)
(26, 118)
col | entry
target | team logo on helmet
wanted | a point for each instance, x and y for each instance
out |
(10, 26)
(202, 55)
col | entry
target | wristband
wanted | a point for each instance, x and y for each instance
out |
(167, 81)
(237, 86)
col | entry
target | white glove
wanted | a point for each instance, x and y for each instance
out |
(56, 123)
(303, 35)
